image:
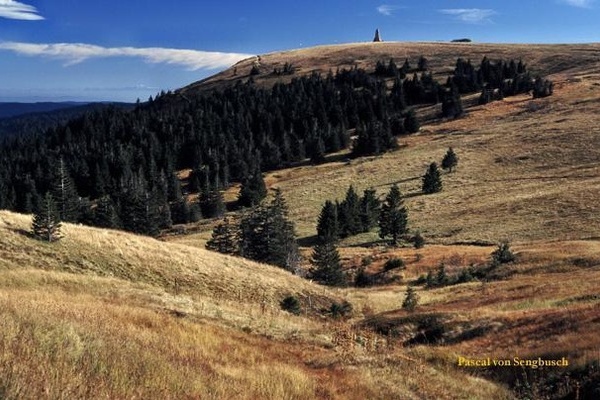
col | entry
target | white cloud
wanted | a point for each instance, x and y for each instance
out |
(469, 15)
(15, 10)
(74, 53)
(579, 3)
(387, 9)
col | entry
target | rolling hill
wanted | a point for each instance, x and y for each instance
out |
(542, 155)
(109, 314)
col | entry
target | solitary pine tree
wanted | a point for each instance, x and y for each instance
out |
(411, 299)
(327, 226)
(503, 254)
(224, 238)
(327, 269)
(393, 219)
(46, 222)
(450, 160)
(432, 182)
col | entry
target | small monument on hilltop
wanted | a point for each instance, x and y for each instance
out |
(377, 36)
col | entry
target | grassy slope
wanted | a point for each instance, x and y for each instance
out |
(109, 314)
(540, 155)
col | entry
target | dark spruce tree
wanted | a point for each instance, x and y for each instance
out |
(452, 103)
(326, 265)
(370, 207)
(450, 160)
(423, 64)
(253, 189)
(46, 221)
(211, 204)
(393, 218)
(86, 212)
(349, 214)
(26, 195)
(327, 225)
(367, 141)
(180, 211)
(224, 238)
(105, 213)
(432, 181)
(397, 96)
(267, 235)
(411, 123)
(140, 213)
(406, 67)
(65, 194)
(418, 240)
(542, 88)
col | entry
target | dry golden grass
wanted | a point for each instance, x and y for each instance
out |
(176, 268)
(547, 306)
(442, 58)
(105, 314)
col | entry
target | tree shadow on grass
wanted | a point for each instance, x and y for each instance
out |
(23, 232)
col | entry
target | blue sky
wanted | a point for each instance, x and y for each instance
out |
(128, 49)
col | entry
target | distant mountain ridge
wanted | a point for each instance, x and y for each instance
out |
(20, 119)
(13, 109)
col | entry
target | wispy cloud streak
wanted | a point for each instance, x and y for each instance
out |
(15, 10)
(579, 3)
(469, 15)
(387, 9)
(74, 53)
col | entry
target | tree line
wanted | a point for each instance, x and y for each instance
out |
(122, 165)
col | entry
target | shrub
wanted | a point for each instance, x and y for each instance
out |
(291, 304)
(393, 263)
(339, 310)
(411, 300)
(503, 254)
(421, 280)
(362, 278)
(418, 241)
(466, 275)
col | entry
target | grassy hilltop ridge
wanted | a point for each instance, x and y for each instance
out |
(528, 169)
(544, 59)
